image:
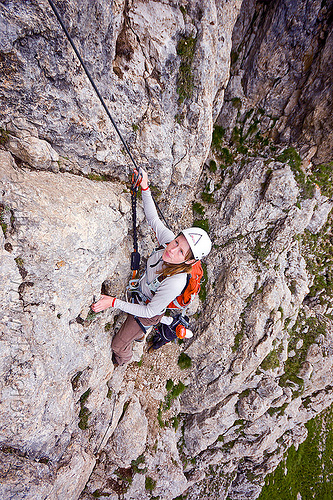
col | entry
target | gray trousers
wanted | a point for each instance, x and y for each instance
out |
(130, 331)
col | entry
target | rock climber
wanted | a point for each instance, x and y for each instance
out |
(164, 279)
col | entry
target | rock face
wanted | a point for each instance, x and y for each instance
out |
(280, 79)
(161, 69)
(49, 278)
(261, 358)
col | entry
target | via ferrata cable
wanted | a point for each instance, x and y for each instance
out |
(137, 176)
(92, 82)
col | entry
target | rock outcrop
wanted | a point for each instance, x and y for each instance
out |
(161, 69)
(245, 157)
(280, 81)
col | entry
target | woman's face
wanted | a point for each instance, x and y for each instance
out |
(176, 251)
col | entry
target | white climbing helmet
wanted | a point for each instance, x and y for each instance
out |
(198, 240)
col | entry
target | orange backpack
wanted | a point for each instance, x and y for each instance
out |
(191, 289)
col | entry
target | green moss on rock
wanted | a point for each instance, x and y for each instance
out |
(185, 83)
(307, 471)
(184, 361)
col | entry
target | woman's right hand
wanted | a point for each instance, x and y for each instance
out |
(103, 303)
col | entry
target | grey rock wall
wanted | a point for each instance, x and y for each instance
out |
(55, 254)
(261, 356)
(256, 378)
(132, 51)
(280, 75)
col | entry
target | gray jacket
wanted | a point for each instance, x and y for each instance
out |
(170, 287)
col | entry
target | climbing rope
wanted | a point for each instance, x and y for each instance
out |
(137, 176)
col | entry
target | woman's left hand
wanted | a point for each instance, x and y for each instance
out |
(144, 178)
(103, 303)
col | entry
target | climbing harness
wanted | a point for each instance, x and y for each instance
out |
(190, 290)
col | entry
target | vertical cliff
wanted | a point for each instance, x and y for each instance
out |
(227, 105)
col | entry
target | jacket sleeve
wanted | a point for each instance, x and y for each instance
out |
(169, 289)
(163, 234)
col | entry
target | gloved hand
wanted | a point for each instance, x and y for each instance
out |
(103, 303)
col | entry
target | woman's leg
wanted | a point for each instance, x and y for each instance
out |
(122, 341)
(130, 331)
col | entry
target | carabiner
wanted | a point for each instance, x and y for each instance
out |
(136, 180)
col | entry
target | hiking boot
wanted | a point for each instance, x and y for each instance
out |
(141, 339)
(150, 348)
(114, 361)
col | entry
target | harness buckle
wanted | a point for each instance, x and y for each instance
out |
(133, 285)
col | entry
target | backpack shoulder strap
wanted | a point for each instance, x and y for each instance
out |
(191, 289)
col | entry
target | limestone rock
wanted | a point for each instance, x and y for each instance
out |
(35, 152)
(72, 426)
(50, 275)
(257, 402)
(320, 216)
(129, 438)
(35, 478)
(204, 429)
(284, 96)
(166, 467)
(133, 54)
